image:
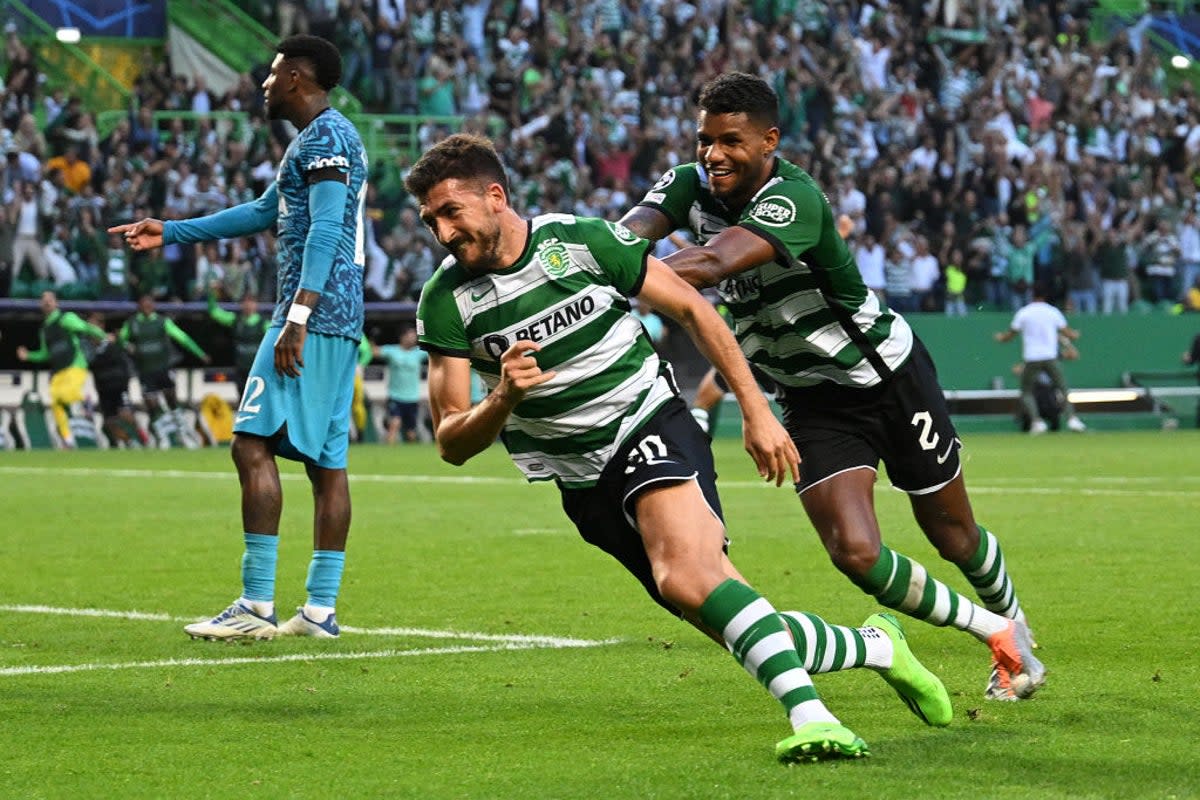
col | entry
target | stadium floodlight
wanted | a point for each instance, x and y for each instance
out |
(1180, 61)
(67, 35)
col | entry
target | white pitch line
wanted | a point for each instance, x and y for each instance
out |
(58, 669)
(230, 475)
(1006, 486)
(531, 640)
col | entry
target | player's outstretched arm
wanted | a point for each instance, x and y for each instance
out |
(731, 251)
(647, 222)
(766, 441)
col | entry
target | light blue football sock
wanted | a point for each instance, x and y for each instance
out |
(325, 577)
(258, 567)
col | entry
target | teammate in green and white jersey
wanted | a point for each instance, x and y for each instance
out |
(541, 309)
(855, 384)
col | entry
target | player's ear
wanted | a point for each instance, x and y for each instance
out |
(770, 140)
(497, 197)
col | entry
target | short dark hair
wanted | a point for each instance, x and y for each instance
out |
(463, 156)
(321, 55)
(741, 93)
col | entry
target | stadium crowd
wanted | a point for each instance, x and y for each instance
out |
(970, 149)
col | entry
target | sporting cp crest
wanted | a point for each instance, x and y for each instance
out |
(554, 257)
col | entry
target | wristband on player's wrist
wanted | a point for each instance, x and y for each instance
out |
(298, 314)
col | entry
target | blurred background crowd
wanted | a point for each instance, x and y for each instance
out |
(970, 149)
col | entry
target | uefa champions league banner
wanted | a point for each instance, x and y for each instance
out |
(118, 18)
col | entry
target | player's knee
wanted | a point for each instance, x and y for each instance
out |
(956, 540)
(247, 452)
(854, 558)
(686, 583)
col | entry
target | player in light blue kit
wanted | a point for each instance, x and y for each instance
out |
(404, 385)
(297, 398)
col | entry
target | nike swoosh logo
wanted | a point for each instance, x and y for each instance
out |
(477, 296)
(942, 458)
(242, 418)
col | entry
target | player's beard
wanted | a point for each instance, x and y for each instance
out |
(487, 244)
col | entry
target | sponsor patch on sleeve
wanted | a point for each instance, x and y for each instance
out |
(774, 211)
(623, 234)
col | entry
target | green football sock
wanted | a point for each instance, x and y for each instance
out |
(758, 639)
(832, 648)
(985, 570)
(903, 585)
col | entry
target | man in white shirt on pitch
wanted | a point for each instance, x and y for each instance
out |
(1042, 327)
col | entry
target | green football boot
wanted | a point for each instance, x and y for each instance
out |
(820, 741)
(919, 688)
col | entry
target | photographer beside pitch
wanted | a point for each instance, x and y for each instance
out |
(541, 309)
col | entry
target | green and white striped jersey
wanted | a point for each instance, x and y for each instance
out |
(569, 292)
(806, 316)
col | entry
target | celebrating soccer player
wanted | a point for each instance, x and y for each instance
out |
(855, 383)
(541, 308)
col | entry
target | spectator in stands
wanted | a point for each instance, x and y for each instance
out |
(28, 139)
(58, 256)
(291, 18)
(1113, 267)
(956, 285)
(1159, 256)
(1043, 328)
(925, 277)
(89, 245)
(61, 349)
(21, 78)
(872, 261)
(76, 173)
(25, 215)
(64, 129)
(1019, 257)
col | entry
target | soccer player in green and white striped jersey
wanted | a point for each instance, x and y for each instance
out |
(541, 309)
(855, 383)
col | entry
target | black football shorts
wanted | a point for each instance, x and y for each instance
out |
(903, 422)
(669, 448)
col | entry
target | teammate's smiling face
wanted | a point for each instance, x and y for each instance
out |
(736, 153)
(464, 217)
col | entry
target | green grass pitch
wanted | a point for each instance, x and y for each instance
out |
(490, 653)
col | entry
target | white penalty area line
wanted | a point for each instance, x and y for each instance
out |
(1086, 486)
(502, 642)
(530, 640)
(59, 669)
